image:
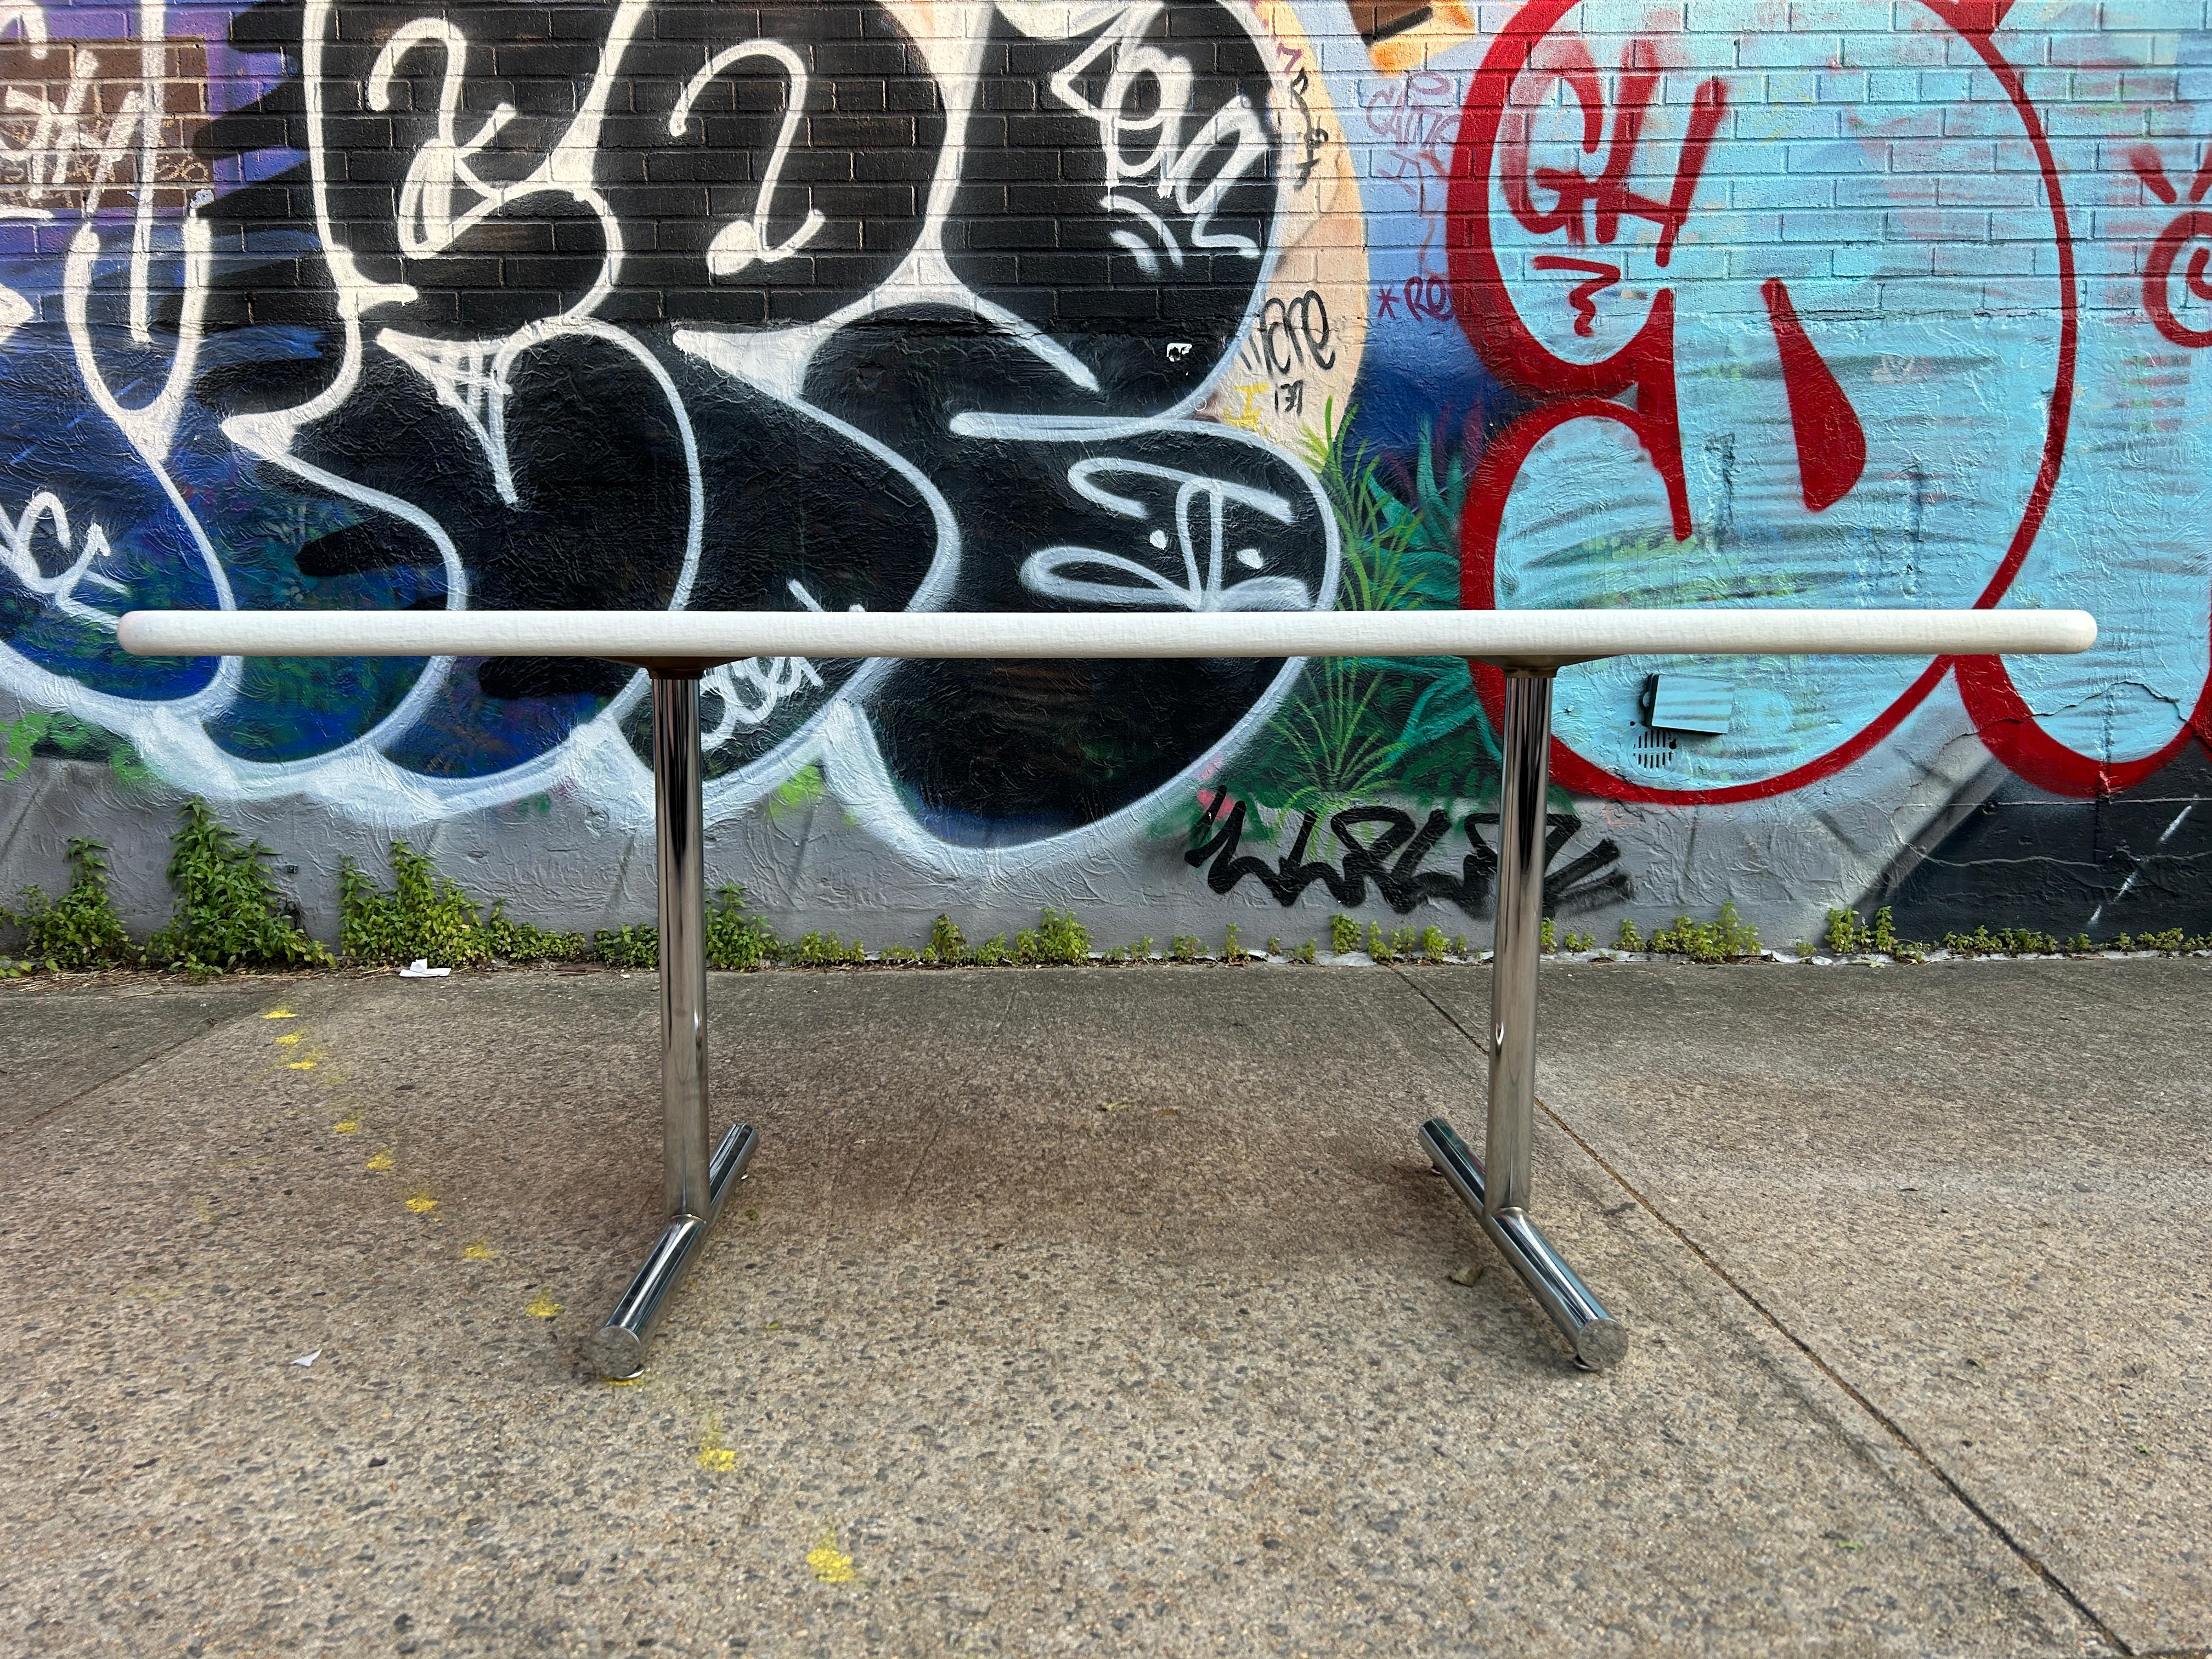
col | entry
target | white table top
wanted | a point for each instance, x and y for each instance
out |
(698, 639)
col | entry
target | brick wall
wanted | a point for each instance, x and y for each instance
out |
(1194, 303)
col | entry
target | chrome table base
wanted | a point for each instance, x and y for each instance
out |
(618, 1346)
(1594, 1335)
(1499, 1193)
(698, 1184)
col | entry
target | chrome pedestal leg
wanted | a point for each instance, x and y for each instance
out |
(697, 1180)
(1499, 1193)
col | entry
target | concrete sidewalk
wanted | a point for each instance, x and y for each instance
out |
(1107, 1312)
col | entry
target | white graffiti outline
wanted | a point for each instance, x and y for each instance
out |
(1174, 163)
(22, 564)
(596, 757)
(1044, 571)
(743, 242)
(149, 428)
(856, 769)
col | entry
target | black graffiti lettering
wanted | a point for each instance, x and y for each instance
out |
(1391, 861)
(1291, 398)
(1295, 333)
(1312, 135)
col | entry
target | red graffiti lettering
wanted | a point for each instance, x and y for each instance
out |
(2192, 226)
(1583, 298)
(1606, 199)
(1831, 447)
(1506, 180)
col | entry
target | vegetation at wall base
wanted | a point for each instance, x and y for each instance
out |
(737, 940)
(1727, 938)
(825, 951)
(947, 947)
(628, 946)
(76, 933)
(228, 913)
(1059, 938)
(426, 917)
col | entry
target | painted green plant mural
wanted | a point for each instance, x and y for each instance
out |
(1357, 729)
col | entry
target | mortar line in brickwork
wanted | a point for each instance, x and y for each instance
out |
(1890, 1425)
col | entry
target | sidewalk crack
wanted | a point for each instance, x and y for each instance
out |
(37, 1118)
(1889, 1425)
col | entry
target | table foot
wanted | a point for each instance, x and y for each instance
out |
(1594, 1335)
(618, 1349)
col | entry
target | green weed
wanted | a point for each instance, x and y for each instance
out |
(1378, 947)
(631, 946)
(1059, 939)
(826, 950)
(737, 940)
(2027, 941)
(78, 932)
(948, 945)
(1727, 938)
(428, 917)
(228, 914)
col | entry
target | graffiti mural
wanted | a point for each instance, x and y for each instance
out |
(1159, 303)
(700, 307)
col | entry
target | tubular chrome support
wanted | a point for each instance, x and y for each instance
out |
(1500, 1198)
(682, 881)
(618, 1346)
(1594, 1335)
(696, 1184)
(1526, 737)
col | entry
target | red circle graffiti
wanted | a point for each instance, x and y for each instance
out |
(2194, 226)
(1644, 365)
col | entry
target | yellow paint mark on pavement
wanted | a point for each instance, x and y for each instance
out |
(478, 1251)
(350, 1125)
(422, 1204)
(829, 1563)
(383, 1160)
(712, 1454)
(280, 1013)
(543, 1307)
(299, 1064)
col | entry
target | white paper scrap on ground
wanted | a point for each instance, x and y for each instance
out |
(307, 1360)
(420, 968)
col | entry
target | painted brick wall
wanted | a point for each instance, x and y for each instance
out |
(1178, 303)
